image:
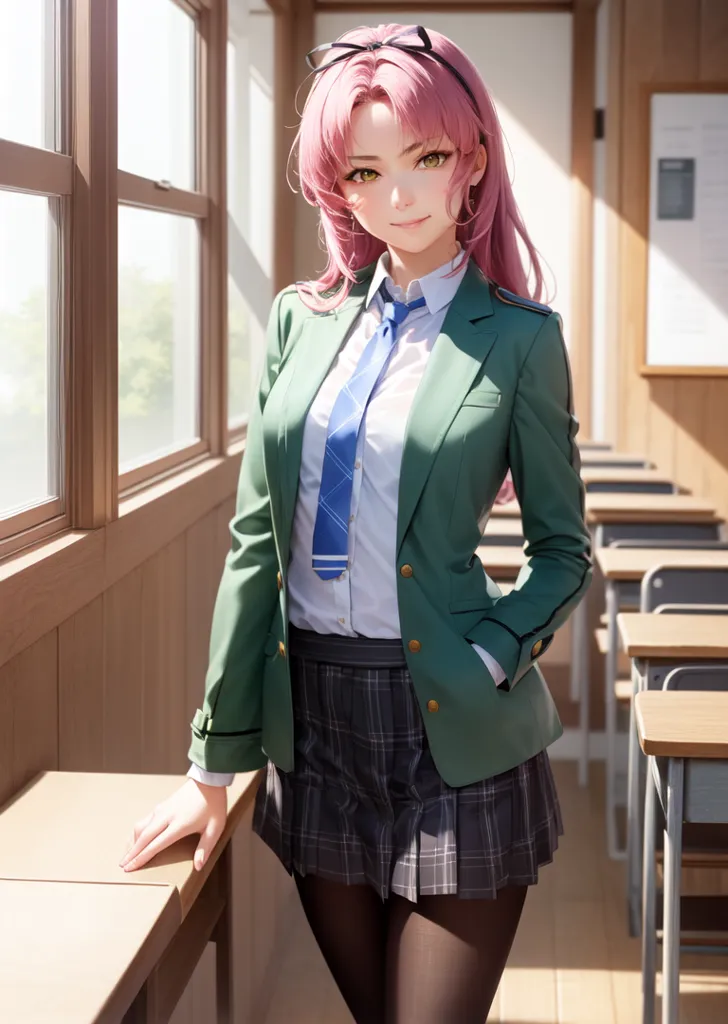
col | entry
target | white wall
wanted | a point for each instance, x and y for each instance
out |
(525, 60)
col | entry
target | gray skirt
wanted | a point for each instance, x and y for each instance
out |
(365, 803)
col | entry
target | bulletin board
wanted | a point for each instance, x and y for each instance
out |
(686, 331)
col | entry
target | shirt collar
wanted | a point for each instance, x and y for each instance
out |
(437, 289)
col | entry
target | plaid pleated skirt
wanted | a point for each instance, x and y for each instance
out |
(365, 803)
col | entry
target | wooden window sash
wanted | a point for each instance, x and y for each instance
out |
(158, 468)
(205, 205)
(26, 521)
(28, 169)
(134, 190)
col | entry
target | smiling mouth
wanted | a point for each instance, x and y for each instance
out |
(411, 223)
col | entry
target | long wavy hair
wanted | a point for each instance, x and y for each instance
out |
(428, 101)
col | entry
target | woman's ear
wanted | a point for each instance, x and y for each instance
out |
(480, 165)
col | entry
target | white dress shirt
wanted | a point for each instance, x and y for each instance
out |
(363, 600)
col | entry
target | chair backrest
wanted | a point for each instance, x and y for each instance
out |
(608, 533)
(660, 672)
(670, 585)
(625, 487)
(697, 677)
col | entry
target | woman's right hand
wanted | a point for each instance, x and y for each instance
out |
(194, 807)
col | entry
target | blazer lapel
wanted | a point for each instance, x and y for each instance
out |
(459, 351)
(321, 338)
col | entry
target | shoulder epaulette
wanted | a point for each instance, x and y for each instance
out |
(518, 300)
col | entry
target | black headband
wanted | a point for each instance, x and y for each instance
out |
(425, 46)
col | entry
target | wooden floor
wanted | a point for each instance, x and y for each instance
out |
(572, 961)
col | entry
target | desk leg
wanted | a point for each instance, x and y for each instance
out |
(634, 825)
(610, 718)
(222, 937)
(671, 895)
(649, 902)
(580, 683)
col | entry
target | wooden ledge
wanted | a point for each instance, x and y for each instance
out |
(98, 809)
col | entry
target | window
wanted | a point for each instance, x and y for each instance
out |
(35, 185)
(113, 261)
(250, 175)
(159, 260)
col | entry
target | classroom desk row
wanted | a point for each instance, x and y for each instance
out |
(684, 735)
(84, 942)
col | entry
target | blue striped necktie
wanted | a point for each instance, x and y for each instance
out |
(331, 530)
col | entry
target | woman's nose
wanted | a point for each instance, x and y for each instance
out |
(401, 198)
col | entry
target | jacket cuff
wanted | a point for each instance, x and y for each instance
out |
(231, 753)
(516, 655)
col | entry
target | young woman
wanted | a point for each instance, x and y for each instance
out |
(359, 651)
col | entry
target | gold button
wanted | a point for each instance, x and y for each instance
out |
(415, 646)
(432, 705)
(406, 570)
(279, 580)
(536, 649)
(282, 649)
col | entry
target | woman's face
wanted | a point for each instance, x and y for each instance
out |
(397, 184)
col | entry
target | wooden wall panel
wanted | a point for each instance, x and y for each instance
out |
(123, 675)
(681, 423)
(81, 690)
(29, 715)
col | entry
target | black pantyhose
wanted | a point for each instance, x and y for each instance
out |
(437, 961)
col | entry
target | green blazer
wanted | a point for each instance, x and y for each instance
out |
(496, 393)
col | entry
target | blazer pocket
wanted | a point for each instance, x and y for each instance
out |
(483, 399)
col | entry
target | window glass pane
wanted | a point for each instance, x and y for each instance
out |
(250, 150)
(28, 72)
(157, 91)
(159, 335)
(29, 421)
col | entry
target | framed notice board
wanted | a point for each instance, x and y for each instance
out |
(686, 332)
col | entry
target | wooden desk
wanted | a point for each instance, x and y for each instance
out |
(585, 445)
(601, 510)
(623, 570)
(625, 476)
(673, 638)
(657, 644)
(503, 531)
(74, 827)
(688, 732)
(73, 953)
(649, 508)
(511, 509)
(502, 563)
(613, 459)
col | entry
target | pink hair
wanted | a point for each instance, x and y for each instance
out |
(428, 101)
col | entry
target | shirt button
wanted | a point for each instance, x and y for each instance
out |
(351, 519)
(357, 464)
(282, 649)
(342, 621)
(432, 705)
(406, 570)
(415, 646)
